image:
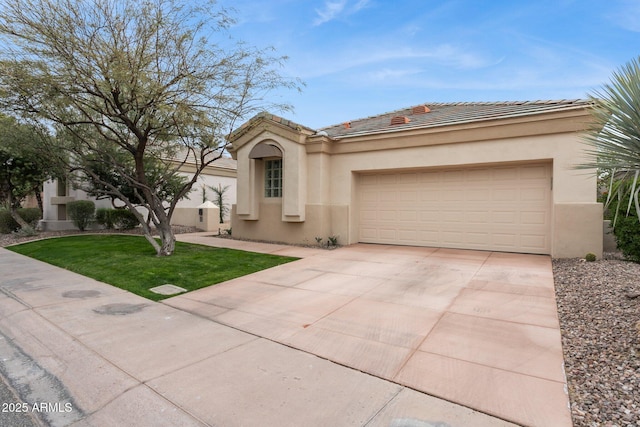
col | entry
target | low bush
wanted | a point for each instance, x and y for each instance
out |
(81, 212)
(122, 219)
(9, 225)
(627, 234)
(104, 217)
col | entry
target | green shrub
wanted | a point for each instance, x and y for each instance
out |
(590, 257)
(9, 225)
(627, 234)
(81, 213)
(122, 219)
(30, 215)
(104, 217)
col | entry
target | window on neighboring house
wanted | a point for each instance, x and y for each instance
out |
(273, 178)
(62, 187)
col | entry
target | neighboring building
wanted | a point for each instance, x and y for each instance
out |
(490, 176)
(57, 194)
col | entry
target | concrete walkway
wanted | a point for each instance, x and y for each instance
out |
(86, 353)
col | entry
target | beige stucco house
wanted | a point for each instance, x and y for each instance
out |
(490, 176)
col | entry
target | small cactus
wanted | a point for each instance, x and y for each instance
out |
(590, 257)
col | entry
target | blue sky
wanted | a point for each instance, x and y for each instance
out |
(364, 57)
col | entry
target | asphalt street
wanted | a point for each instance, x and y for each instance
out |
(10, 409)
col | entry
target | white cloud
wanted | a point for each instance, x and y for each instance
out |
(391, 74)
(370, 59)
(333, 9)
(330, 11)
(360, 5)
(626, 15)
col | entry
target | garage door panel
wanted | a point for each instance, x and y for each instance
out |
(388, 215)
(428, 217)
(453, 216)
(505, 217)
(430, 195)
(533, 241)
(505, 194)
(454, 195)
(533, 194)
(477, 194)
(478, 176)
(387, 179)
(534, 218)
(409, 178)
(411, 216)
(534, 172)
(387, 233)
(507, 174)
(408, 196)
(493, 208)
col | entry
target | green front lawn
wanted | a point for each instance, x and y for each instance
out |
(130, 263)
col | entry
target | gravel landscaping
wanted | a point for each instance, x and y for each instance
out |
(599, 311)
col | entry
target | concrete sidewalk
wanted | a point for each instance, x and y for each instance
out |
(81, 352)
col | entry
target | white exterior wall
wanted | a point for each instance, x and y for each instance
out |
(51, 200)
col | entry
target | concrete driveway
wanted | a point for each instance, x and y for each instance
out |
(420, 337)
(479, 329)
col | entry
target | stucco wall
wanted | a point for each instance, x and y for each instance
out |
(321, 221)
(331, 173)
(194, 198)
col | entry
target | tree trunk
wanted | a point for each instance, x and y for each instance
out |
(13, 210)
(38, 194)
(16, 216)
(162, 222)
(167, 240)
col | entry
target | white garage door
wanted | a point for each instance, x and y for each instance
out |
(506, 208)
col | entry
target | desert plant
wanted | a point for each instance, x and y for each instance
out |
(332, 241)
(319, 241)
(614, 135)
(81, 213)
(219, 201)
(25, 232)
(590, 257)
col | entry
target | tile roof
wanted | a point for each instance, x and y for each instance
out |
(267, 116)
(443, 114)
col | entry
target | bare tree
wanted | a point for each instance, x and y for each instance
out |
(138, 87)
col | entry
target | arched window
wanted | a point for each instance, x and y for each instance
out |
(272, 157)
